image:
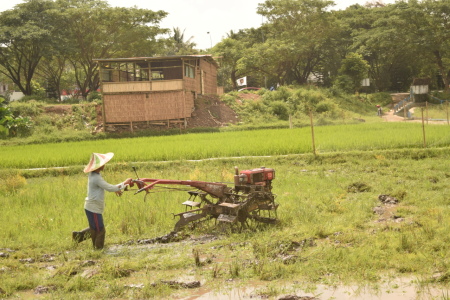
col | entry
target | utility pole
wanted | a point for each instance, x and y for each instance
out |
(210, 38)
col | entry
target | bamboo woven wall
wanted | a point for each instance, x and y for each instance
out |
(121, 87)
(124, 108)
(210, 78)
(192, 84)
(148, 107)
(166, 106)
(189, 100)
(167, 85)
(137, 86)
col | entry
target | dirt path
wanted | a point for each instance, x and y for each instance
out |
(390, 117)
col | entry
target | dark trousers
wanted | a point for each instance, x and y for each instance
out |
(95, 221)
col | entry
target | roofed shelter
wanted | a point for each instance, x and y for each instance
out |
(154, 90)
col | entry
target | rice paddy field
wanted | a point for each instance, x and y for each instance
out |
(333, 230)
(374, 136)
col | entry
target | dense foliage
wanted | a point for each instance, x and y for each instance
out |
(305, 41)
(11, 124)
(300, 42)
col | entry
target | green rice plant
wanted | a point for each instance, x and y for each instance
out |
(331, 234)
(235, 269)
(114, 290)
(79, 284)
(152, 291)
(270, 290)
(363, 137)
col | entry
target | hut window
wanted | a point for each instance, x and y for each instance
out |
(189, 68)
(106, 72)
(141, 71)
(123, 75)
(106, 75)
(157, 75)
(166, 69)
(189, 71)
(127, 71)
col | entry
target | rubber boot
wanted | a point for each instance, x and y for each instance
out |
(79, 236)
(93, 236)
(100, 239)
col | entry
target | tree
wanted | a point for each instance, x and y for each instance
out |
(303, 30)
(404, 39)
(355, 67)
(273, 59)
(26, 35)
(52, 68)
(229, 52)
(93, 30)
(178, 45)
(431, 30)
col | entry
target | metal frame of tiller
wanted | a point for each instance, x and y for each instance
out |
(250, 198)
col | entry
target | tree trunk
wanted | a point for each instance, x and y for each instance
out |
(233, 79)
(442, 69)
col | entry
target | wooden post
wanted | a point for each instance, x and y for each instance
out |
(103, 115)
(426, 108)
(404, 111)
(423, 131)
(447, 113)
(312, 132)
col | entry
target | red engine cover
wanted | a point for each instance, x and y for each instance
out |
(259, 175)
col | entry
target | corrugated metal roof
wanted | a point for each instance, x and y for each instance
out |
(421, 81)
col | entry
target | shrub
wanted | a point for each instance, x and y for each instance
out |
(10, 125)
(94, 96)
(32, 97)
(380, 98)
(31, 108)
(442, 95)
(228, 99)
(280, 109)
(328, 108)
(344, 83)
(12, 183)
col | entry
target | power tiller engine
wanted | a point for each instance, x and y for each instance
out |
(250, 199)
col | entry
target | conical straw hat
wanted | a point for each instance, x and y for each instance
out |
(98, 160)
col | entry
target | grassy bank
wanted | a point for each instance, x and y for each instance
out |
(328, 231)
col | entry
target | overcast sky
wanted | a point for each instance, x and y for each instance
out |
(198, 17)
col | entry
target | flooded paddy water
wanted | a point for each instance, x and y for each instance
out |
(388, 288)
(398, 289)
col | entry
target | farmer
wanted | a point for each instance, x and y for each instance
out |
(379, 111)
(95, 200)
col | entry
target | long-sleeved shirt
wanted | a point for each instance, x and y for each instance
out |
(95, 200)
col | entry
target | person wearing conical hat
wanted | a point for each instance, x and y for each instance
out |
(95, 200)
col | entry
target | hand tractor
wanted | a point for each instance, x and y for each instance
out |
(250, 198)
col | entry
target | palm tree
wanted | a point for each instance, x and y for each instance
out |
(179, 45)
